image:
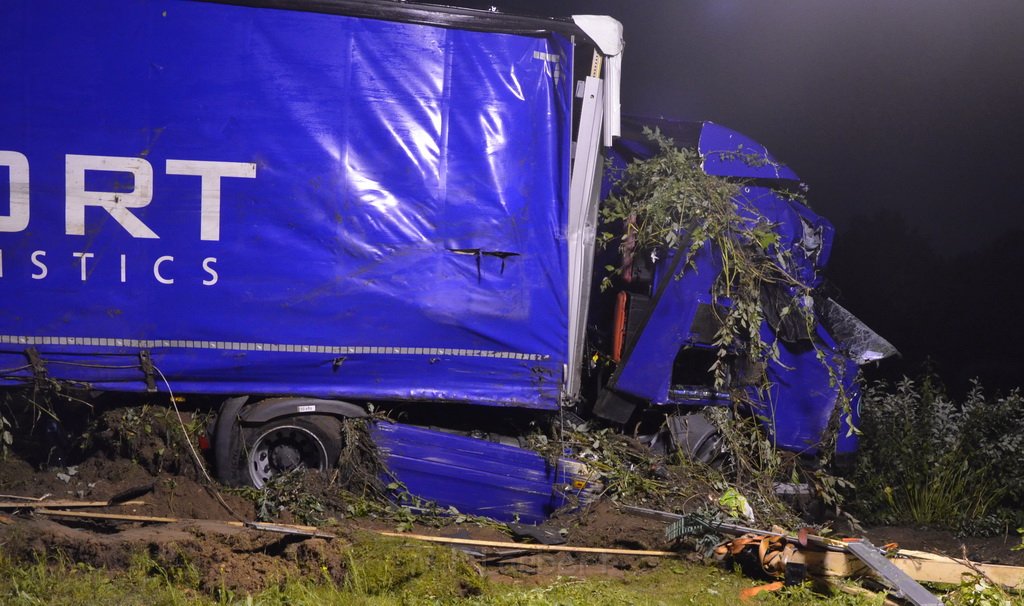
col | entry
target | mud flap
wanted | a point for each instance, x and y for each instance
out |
(613, 407)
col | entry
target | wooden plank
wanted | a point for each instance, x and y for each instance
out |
(948, 570)
(21, 498)
(919, 565)
(63, 504)
(278, 528)
(291, 529)
(105, 516)
(829, 563)
(920, 555)
(530, 546)
(275, 527)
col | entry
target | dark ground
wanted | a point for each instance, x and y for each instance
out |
(247, 560)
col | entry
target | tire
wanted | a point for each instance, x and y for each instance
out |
(227, 442)
(698, 439)
(285, 444)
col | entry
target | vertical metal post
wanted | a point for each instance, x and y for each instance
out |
(584, 188)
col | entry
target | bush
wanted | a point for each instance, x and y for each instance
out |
(993, 435)
(926, 459)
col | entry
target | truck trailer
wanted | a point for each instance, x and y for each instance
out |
(310, 209)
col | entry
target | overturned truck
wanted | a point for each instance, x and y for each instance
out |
(308, 210)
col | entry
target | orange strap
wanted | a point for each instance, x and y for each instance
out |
(772, 552)
(750, 592)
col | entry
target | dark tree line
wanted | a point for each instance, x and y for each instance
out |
(958, 315)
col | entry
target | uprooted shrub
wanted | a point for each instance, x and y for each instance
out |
(154, 436)
(928, 459)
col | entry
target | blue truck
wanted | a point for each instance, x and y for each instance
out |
(308, 209)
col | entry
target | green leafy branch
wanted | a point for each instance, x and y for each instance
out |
(668, 203)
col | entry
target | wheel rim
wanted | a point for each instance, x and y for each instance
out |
(283, 449)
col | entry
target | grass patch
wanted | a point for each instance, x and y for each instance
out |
(411, 571)
(384, 572)
(60, 581)
(676, 583)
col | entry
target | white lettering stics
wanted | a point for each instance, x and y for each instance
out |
(210, 174)
(17, 217)
(117, 204)
(91, 267)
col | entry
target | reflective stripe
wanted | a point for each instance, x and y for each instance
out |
(271, 347)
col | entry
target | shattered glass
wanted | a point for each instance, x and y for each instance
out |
(860, 343)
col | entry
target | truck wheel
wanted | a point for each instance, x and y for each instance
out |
(308, 442)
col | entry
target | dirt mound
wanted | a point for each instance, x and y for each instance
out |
(100, 479)
(215, 557)
(133, 453)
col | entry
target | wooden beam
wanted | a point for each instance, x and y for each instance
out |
(116, 517)
(530, 546)
(63, 504)
(104, 516)
(292, 529)
(829, 563)
(949, 570)
(919, 565)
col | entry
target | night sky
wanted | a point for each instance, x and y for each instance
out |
(906, 120)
